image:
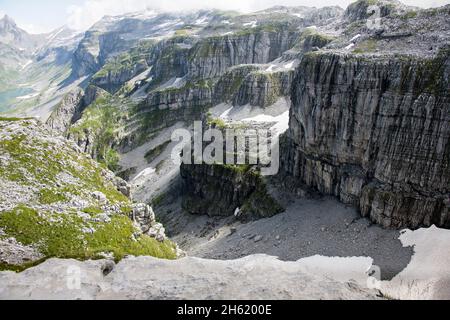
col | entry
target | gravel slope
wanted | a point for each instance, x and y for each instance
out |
(320, 226)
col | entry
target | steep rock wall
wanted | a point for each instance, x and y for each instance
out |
(212, 57)
(225, 190)
(263, 89)
(374, 132)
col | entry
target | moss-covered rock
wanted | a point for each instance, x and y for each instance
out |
(55, 201)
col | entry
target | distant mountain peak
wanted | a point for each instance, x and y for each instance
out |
(7, 18)
(7, 23)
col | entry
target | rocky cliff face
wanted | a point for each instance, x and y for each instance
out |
(363, 9)
(226, 190)
(212, 57)
(263, 89)
(70, 109)
(374, 132)
(62, 118)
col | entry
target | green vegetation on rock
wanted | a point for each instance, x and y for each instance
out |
(217, 123)
(69, 205)
(13, 119)
(99, 123)
(366, 46)
(62, 235)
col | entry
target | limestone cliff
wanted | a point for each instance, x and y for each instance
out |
(226, 190)
(375, 132)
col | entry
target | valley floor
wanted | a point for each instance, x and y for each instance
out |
(320, 226)
(329, 239)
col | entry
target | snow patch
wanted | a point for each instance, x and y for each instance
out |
(427, 276)
(289, 65)
(26, 64)
(351, 45)
(55, 34)
(226, 113)
(282, 121)
(251, 24)
(355, 37)
(271, 67)
(201, 21)
(282, 124)
(342, 269)
(28, 96)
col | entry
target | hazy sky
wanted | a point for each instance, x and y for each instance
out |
(46, 15)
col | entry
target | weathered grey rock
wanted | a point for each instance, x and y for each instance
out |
(70, 109)
(144, 216)
(99, 196)
(375, 133)
(123, 186)
(146, 278)
(158, 232)
(61, 119)
(360, 10)
(113, 80)
(212, 57)
(263, 88)
(218, 190)
(229, 83)
(15, 253)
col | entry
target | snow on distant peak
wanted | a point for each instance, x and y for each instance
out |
(201, 21)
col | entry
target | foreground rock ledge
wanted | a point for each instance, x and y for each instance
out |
(144, 278)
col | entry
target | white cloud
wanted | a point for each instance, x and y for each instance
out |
(83, 16)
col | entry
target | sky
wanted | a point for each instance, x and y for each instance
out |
(46, 15)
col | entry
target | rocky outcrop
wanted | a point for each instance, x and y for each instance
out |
(364, 9)
(229, 83)
(213, 56)
(56, 201)
(61, 119)
(226, 190)
(169, 59)
(263, 88)
(374, 131)
(146, 278)
(163, 108)
(112, 80)
(85, 59)
(70, 109)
